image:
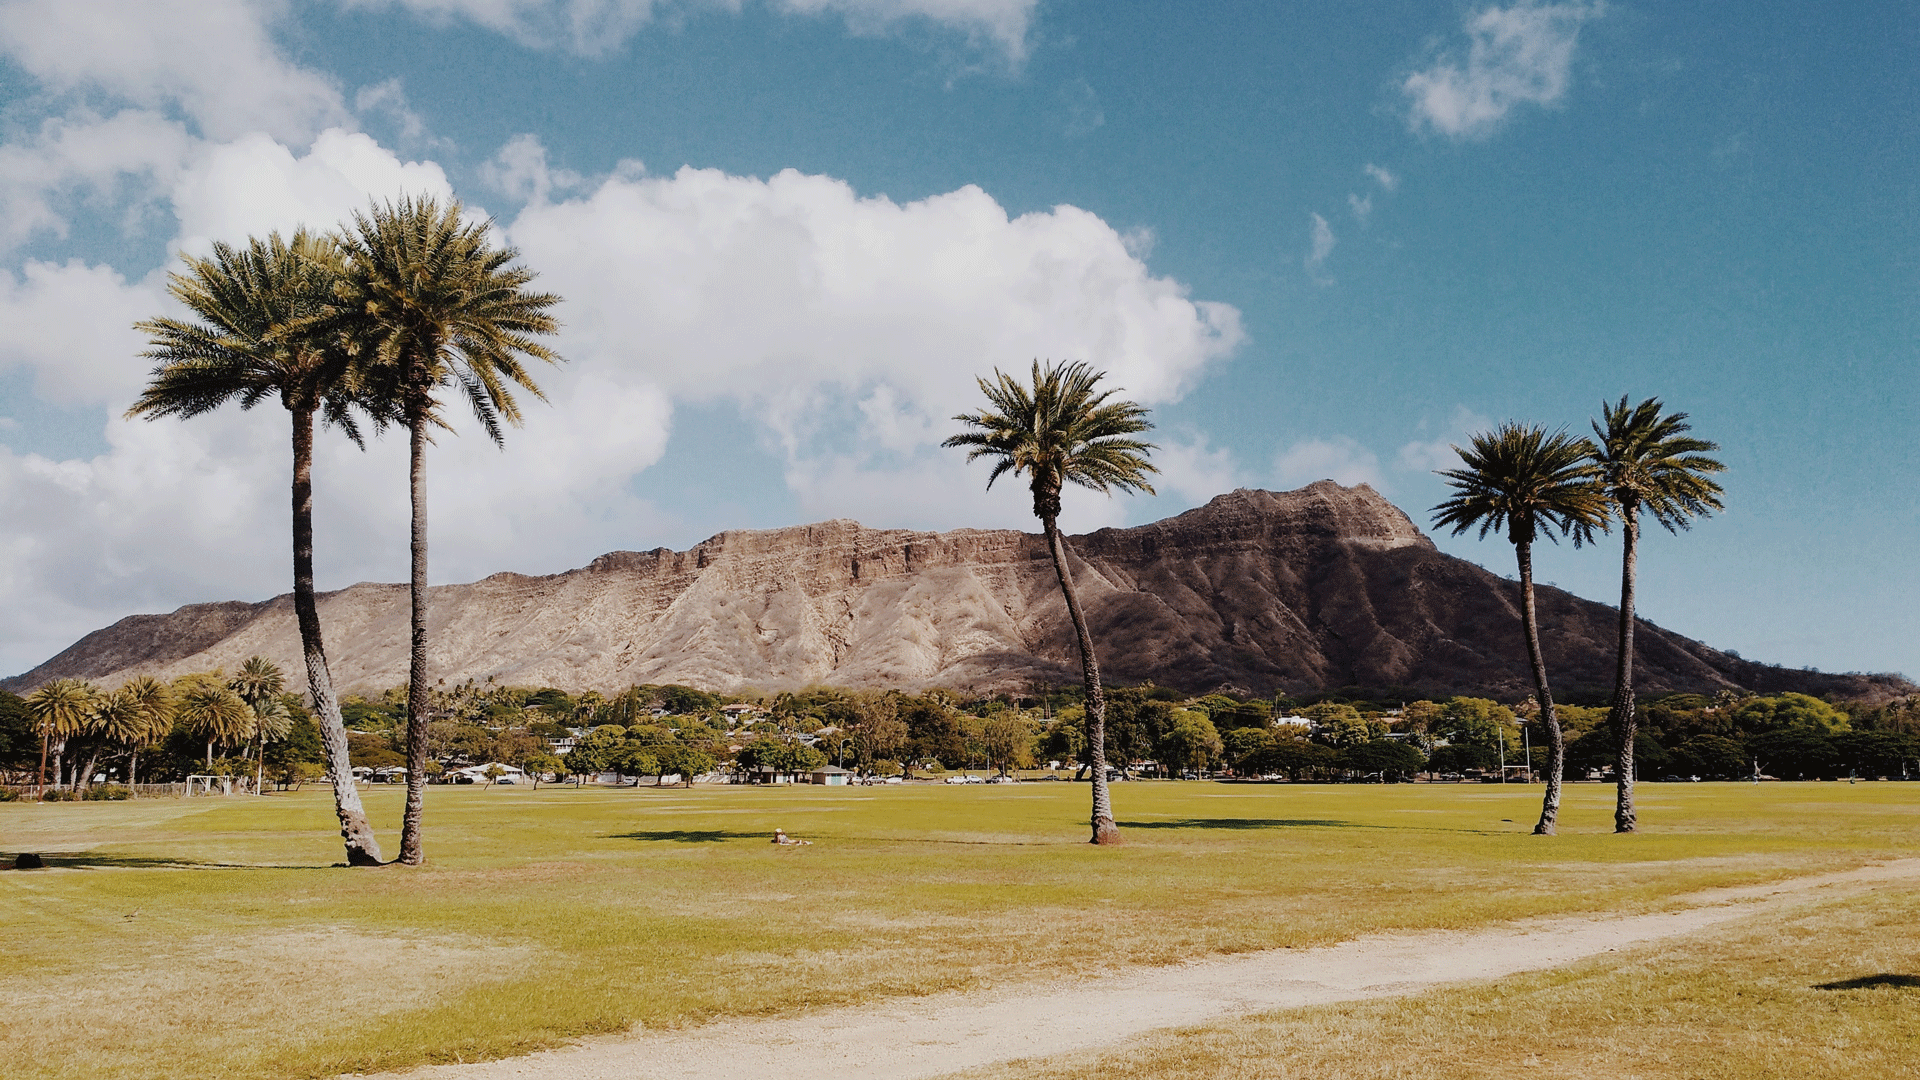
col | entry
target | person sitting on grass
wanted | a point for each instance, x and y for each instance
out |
(780, 837)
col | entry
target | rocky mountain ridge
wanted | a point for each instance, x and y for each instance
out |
(1320, 588)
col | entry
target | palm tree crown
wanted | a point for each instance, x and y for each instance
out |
(1062, 430)
(258, 681)
(428, 301)
(1518, 476)
(63, 708)
(1648, 462)
(261, 333)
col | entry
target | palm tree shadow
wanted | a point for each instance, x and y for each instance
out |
(1868, 982)
(691, 836)
(95, 860)
(1242, 823)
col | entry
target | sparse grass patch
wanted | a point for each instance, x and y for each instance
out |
(546, 915)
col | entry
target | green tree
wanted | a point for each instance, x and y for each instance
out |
(428, 302)
(541, 765)
(1795, 711)
(60, 709)
(1191, 741)
(1713, 756)
(214, 713)
(1063, 429)
(1528, 481)
(685, 761)
(1007, 737)
(1647, 463)
(260, 332)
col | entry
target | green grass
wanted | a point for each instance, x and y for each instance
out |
(217, 932)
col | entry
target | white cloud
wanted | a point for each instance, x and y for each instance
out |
(72, 326)
(726, 286)
(519, 170)
(1387, 181)
(1320, 241)
(597, 27)
(215, 59)
(1426, 455)
(253, 185)
(1339, 459)
(1362, 207)
(1517, 55)
(1192, 470)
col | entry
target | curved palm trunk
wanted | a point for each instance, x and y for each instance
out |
(133, 769)
(417, 701)
(1626, 725)
(1104, 830)
(362, 848)
(1557, 755)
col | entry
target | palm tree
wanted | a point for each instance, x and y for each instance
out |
(272, 721)
(260, 332)
(212, 710)
(1520, 478)
(152, 707)
(60, 710)
(1647, 462)
(429, 301)
(1062, 430)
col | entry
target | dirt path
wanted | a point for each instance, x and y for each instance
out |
(931, 1036)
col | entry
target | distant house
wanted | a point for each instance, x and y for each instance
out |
(477, 774)
(831, 776)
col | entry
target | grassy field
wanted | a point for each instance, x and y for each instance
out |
(216, 936)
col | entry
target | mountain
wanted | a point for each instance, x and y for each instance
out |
(1324, 587)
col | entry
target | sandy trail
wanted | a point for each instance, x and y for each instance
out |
(944, 1033)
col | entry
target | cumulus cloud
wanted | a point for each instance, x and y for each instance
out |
(1339, 459)
(1387, 181)
(1519, 55)
(1361, 205)
(214, 59)
(596, 27)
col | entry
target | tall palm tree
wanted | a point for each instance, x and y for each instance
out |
(1530, 482)
(430, 302)
(1063, 429)
(1647, 462)
(259, 331)
(211, 710)
(60, 710)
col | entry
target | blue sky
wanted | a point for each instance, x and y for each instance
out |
(1319, 239)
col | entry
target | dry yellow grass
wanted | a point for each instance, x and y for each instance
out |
(546, 915)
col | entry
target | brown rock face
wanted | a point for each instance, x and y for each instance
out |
(1318, 588)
